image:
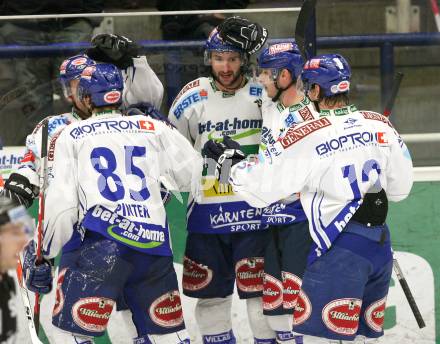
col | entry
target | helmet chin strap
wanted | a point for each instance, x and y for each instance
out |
(280, 90)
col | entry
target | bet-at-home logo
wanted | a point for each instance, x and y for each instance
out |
(400, 325)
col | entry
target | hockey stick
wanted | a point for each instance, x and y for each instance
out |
(393, 95)
(304, 16)
(27, 305)
(409, 296)
(403, 283)
(43, 181)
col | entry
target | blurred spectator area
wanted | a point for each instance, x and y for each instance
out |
(417, 106)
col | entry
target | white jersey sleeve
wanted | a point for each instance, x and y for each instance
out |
(182, 114)
(61, 204)
(271, 177)
(141, 84)
(182, 163)
(332, 162)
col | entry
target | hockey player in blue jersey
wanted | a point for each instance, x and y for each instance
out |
(107, 173)
(285, 259)
(345, 165)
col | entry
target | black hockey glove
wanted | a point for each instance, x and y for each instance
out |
(115, 49)
(19, 189)
(221, 156)
(242, 33)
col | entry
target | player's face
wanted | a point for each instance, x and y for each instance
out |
(80, 108)
(266, 79)
(12, 241)
(226, 68)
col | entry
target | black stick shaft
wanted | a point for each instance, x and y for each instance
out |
(409, 296)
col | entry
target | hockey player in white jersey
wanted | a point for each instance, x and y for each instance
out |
(344, 165)
(107, 172)
(226, 241)
(141, 85)
(285, 259)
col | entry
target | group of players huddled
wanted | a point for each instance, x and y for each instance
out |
(288, 194)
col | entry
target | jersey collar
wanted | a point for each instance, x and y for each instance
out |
(107, 113)
(295, 107)
(342, 111)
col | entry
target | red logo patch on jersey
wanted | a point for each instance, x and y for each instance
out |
(303, 309)
(297, 133)
(342, 316)
(195, 276)
(306, 114)
(59, 295)
(376, 117)
(79, 61)
(28, 157)
(203, 93)
(291, 288)
(249, 272)
(185, 88)
(112, 97)
(375, 315)
(146, 125)
(92, 313)
(381, 137)
(51, 150)
(166, 311)
(272, 292)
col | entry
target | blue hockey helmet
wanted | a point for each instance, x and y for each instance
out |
(330, 71)
(215, 43)
(103, 83)
(285, 55)
(71, 69)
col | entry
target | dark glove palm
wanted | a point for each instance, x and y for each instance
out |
(115, 49)
(242, 33)
(224, 155)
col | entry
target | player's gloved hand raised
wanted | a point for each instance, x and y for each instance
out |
(38, 277)
(115, 49)
(242, 33)
(19, 189)
(221, 156)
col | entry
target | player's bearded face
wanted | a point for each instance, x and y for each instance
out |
(226, 68)
(266, 79)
